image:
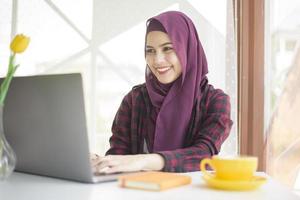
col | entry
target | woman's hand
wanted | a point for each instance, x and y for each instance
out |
(94, 159)
(127, 163)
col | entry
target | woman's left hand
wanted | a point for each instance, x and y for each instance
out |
(128, 163)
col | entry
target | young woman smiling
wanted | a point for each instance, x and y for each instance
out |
(176, 118)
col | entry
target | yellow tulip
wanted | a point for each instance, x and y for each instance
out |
(19, 43)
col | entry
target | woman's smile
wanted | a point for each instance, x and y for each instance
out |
(163, 70)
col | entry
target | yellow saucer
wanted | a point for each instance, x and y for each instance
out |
(252, 184)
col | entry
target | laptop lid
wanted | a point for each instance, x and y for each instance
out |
(45, 123)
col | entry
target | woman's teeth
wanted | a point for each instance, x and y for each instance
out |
(163, 69)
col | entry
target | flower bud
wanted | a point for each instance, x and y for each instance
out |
(19, 43)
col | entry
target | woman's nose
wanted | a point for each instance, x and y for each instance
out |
(159, 58)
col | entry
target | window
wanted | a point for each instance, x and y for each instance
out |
(282, 94)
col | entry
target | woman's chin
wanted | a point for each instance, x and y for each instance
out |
(165, 81)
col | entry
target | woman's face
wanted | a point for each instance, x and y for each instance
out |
(161, 57)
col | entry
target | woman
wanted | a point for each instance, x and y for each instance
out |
(176, 118)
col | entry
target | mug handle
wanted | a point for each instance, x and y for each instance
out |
(204, 162)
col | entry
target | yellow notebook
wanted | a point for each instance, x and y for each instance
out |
(155, 181)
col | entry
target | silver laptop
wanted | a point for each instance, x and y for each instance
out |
(45, 123)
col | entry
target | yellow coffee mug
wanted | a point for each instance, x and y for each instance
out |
(230, 168)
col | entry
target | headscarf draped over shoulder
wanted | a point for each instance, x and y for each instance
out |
(174, 102)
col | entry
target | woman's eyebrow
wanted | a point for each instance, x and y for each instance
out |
(148, 46)
(164, 44)
(161, 45)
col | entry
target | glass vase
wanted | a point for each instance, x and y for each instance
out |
(7, 155)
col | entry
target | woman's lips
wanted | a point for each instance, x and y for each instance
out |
(163, 70)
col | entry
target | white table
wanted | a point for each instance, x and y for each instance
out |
(31, 187)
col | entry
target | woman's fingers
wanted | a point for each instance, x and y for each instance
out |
(95, 160)
(105, 163)
(118, 163)
(110, 164)
(93, 156)
(113, 169)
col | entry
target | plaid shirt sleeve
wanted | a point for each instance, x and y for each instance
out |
(120, 143)
(213, 129)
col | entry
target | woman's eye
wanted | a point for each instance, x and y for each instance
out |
(168, 48)
(150, 51)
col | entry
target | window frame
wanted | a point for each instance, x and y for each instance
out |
(250, 59)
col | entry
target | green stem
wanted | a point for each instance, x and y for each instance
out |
(5, 84)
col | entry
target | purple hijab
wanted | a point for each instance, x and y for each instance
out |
(173, 103)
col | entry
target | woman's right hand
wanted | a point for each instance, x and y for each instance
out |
(95, 160)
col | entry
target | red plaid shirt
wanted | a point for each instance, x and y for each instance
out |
(209, 126)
